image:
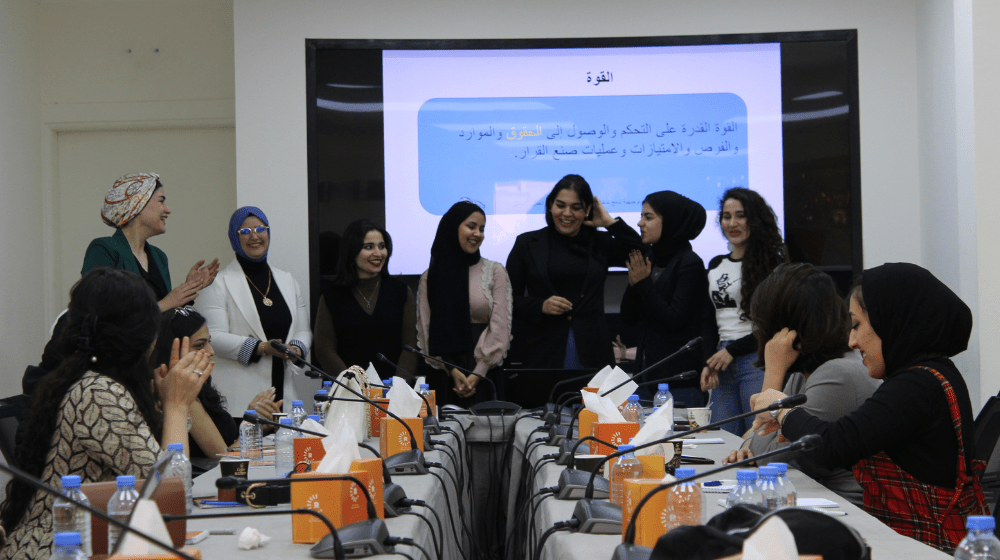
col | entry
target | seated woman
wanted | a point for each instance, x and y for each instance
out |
(465, 306)
(557, 277)
(136, 206)
(801, 324)
(364, 311)
(98, 414)
(213, 429)
(666, 293)
(911, 443)
(252, 304)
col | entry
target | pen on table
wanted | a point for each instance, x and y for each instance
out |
(222, 531)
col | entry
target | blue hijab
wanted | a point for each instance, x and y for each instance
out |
(237, 220)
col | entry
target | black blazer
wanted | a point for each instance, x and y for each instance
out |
(539, 340)
(670, 312)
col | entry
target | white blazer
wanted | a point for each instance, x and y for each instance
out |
(232, 317)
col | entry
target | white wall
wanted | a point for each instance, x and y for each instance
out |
(21, 251)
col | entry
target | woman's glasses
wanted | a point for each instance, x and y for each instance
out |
(248, 231)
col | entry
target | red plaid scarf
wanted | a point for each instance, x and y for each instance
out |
(932, 514)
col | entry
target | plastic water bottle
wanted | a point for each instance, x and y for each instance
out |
(624, 468)
(328, 385)
(785, 485)
(66, 546)
(251, 441)
(319, 404)
(180, 466)
(632, 411)
(425, 391)
(767, 483)
(284, 449)
(664, 397)
(980, 543)
(298, 414)
(67, 518)
(683, 501)
(120, 507)
(746, 491)
(388, 385)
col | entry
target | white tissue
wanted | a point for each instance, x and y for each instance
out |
(146, 518)
(599, 377)
(605, 410)
(772, 541)
(621, 394)
(251, 538)
(403, 400)
(341, 449)
(372, 374)
(658, 425)
(314, 426)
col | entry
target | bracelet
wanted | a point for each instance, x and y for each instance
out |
(781, 422)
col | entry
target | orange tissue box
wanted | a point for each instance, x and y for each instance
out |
(341, 501)
(615, 433)
(309, 449)
(652, 465)
(651, 523)
(395, 438)
(373, 466)
(586, 422)
(375, 416)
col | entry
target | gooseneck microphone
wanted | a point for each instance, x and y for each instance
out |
(36, 483)
(488, 408)
(407, 462)
(629, 550)
(682, 350)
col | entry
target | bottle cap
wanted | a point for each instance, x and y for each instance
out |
(980, 523)
(782, 467)
(313, 417)
(626, 447)
(424, 386)
(176, 447)
(254, 412)
(327, 383)
(633, 398)
(286, 421)
(683, 472)
(655, 408)
(66, 539)
(663, 387)
(746, 474)
(70, 481)
(296, 404)
(767, 471)
(125, 480)
(387, 382)
(322, 392)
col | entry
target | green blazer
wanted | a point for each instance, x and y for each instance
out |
(115, 252)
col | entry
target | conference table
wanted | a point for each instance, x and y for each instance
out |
(479, 444)
(886, 544)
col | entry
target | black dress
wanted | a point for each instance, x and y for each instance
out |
(275, 318)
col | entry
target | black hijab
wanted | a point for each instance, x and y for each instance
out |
(448, 283)
(682, 219)
(917, 317)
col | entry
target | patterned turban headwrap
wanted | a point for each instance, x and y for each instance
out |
(127, 197)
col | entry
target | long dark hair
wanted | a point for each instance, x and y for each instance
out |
(178, 323)
(802, 298)
(351, 244)
(575, 183)
(112, 322)
(765, 249)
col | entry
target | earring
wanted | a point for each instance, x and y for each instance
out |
(93, 359)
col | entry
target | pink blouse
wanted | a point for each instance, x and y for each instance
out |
(490, 302)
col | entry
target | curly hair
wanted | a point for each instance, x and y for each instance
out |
(765, 250)
(178, 323)
(112, 322)
(802, 298)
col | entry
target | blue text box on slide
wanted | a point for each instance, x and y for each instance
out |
(508, 152)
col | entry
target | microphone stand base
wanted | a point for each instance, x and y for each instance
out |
(392, 494)
(566, 451)
(361, 539)
(407, 462)
(557, 434)
(596, 517)
(573, 486)
(431, 425)
(631, 552)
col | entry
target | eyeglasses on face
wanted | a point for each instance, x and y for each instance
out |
(248, 231)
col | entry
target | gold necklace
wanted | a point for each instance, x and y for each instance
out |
(368, 300)
(267, 300)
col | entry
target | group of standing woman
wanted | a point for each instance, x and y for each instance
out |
(134, 349)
